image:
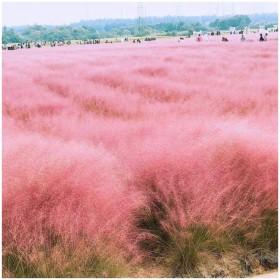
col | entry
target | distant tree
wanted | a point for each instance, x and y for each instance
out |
(140, 32)
(10, 36)
(181, 26)
(172, 33)
(198, 26)
(237, 21)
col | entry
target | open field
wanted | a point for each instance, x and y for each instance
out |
(140, 160)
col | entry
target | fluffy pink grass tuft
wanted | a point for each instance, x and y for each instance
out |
(70, 191)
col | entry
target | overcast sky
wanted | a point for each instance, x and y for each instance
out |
(54, 13)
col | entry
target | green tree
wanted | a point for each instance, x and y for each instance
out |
(237, 21)
(10, 36)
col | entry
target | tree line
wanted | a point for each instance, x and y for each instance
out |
(116, 28)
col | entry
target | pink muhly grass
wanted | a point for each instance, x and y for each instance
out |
(228, 178)
(97, 137)
(63, 190)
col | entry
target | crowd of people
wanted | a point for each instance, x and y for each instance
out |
(199, 38)
(29, 45)
(263, 38)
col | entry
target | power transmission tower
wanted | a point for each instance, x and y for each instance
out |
(178, 9)
(220, 9)
(141, 15)
(233, 9)
(86, 11)
(217, 9)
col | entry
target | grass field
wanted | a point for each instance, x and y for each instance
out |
(140, 160)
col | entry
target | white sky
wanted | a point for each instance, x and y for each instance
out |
(54, 13)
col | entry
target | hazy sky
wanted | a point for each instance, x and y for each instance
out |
(54, 13)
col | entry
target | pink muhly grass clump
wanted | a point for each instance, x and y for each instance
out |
(226, 181)
(55, 191)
